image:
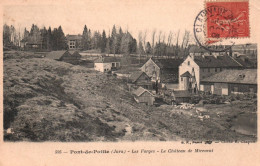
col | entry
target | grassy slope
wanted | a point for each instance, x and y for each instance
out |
(46, 100)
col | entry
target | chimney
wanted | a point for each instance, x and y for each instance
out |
(192, 56)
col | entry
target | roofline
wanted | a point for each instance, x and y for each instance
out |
(140, 76)
(145, 90)
(227, 82)
(153, 63)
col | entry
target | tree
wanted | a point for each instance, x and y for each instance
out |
(85, 38)
(61, 39)
(153, 40)
(114, 40)
(6, 35)
(49, 39)
(148, 49)
(108, 45)
(103, 41)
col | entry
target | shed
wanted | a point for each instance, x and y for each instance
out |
(181, 96)
(140, 78)
(142, 95)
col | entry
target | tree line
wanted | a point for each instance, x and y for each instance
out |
(115, 42)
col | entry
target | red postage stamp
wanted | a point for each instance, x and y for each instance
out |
(227, 19)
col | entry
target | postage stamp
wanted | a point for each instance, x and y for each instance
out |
(221, 22)
(227, 19)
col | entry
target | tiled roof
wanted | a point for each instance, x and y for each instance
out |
(140, 91)
(106, 60)
(219, 61)
(167, 63)
(247, 76)
(134, 76)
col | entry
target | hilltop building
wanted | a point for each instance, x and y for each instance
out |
(74, 41)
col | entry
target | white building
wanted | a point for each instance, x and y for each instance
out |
(196, 68)
(105, 64)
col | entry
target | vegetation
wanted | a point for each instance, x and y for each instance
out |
(116, 42)
(47, 100)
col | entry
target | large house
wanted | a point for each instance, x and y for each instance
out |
(162, 70)
(231, 81)
(105, 64)
(74, 41)
(196, 68)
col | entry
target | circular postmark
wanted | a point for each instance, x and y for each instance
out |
(213, 29)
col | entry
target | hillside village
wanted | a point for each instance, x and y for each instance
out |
(132, 96)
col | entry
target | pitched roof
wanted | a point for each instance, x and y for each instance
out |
(197, 49)
(167, 63)
(134, 76)
(76, 54)
(73, 37)
(242, 47)
(106, 59)
(247, 63)
(55, 54)
(219, 61)
(186, 74)
(247, 76)
(140, 91)
(181, 93)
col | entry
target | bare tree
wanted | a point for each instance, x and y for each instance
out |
(159, 36)
(144, 39)
(169, 42)
(185, 42)
(153, 40)
(140, 45)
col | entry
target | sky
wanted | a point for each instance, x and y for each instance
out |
(131, 15)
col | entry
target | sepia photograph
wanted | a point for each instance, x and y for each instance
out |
(130, 72)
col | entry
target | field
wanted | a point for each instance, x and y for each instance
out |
(47, 100)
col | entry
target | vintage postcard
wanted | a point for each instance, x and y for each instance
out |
(119, 82)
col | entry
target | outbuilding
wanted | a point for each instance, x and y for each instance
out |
(142, 95)
(140, 78)
(231, 82)
(105, 64)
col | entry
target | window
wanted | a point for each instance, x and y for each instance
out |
(235, 89)
(189, 63)
(216, 69)
(181, 79)
(220, 69)
(113, 65)
(202, 70)
(193, 69)
(241, 76)
(208, 69)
